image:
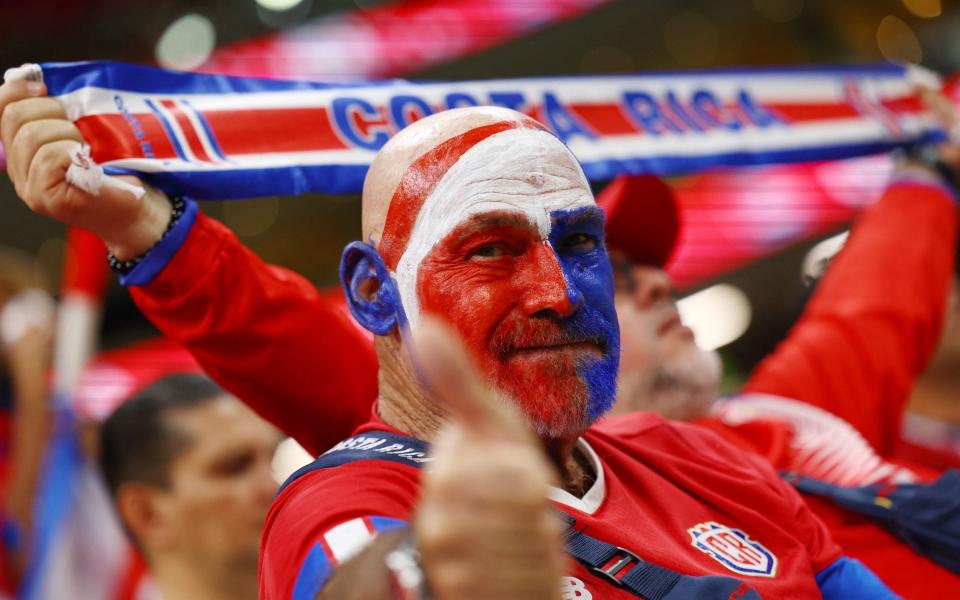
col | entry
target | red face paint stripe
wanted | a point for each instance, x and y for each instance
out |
(422, 176)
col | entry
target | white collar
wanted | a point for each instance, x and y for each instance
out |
(594, 497)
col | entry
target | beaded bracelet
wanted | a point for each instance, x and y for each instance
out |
(125, 266)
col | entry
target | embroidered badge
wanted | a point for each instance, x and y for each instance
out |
(733, 549)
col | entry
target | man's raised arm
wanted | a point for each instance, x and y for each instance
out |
(877, 315)
(263, 333)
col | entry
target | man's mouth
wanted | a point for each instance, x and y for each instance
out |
(557, 348)
(673, 324)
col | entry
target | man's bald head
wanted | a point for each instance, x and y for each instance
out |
(393, 163)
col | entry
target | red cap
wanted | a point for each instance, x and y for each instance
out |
(642, 218)
(113, 377)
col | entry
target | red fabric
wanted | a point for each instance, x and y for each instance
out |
(135, 576)
(266, 335)
(85, 264)
(939, 460)
(875, 319)
(661, 479)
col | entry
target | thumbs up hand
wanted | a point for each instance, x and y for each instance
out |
(41, 144)
(484, 526)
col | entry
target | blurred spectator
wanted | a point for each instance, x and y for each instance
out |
(189, 468)
(26, 328)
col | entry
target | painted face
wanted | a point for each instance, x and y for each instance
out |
(507, 246)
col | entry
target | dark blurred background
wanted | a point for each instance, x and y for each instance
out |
(308, 233)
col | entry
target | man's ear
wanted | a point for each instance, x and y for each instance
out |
(371, 293)
(140, 513)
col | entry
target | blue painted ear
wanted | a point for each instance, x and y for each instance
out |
(371, 293)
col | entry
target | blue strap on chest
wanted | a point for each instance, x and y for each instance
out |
(618, 566)
(624, 569)
(372, 445)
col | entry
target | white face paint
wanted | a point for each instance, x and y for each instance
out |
(527, 171)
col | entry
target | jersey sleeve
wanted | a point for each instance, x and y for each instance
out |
(876, 317)
(849, 578)
(326, 519)
(263, 333)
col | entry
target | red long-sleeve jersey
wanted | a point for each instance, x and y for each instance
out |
(266, 335)
(292, 355)
(875, 319)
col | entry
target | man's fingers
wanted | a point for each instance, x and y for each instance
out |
(12, 91)
(25, 109)
(458, 387)
(30, 137)
(45, 172)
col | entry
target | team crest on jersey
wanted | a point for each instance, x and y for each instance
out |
(733, 549)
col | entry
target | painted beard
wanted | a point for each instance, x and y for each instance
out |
(562, 373)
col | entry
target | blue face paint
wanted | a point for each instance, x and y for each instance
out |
(362, 265)
(577, 238)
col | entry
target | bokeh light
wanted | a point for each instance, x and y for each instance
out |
(283, 14)
(897, 41)
(187, 43)
(927, 9)
(288, 458)
(717, 315)
(278, 5)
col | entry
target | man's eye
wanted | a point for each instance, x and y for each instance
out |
(488, 251)
(234, 465)
(580, 241)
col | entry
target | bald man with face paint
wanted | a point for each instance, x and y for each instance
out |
(492, 228)
(481, 219)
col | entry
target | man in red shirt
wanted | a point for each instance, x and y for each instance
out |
(509, 250)
(828, 402)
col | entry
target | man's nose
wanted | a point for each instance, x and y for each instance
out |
(265, 482)
(651, 286)
(544, 287)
